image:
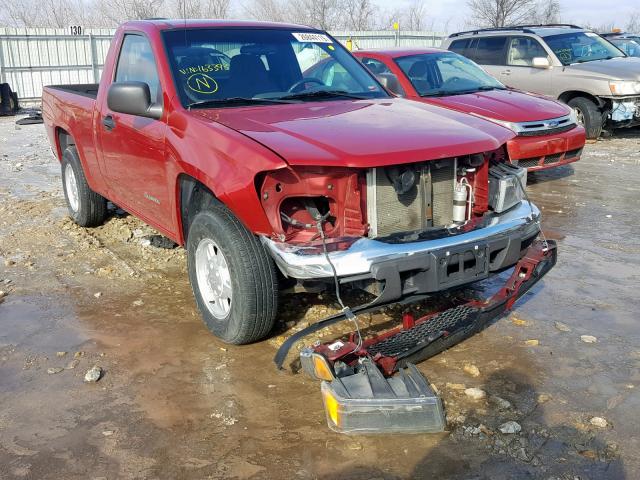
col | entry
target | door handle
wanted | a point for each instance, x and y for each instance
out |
(108, 122)
(505, 72)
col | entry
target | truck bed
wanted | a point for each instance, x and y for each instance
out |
(85, 89)
(71, 108)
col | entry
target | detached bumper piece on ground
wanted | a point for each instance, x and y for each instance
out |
(357, 396)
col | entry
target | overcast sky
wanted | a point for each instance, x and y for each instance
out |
(594, 12)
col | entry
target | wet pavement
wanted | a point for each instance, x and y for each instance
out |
(174, 402)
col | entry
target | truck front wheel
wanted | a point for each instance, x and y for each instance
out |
(233, 278)
(86, 207)
(588, 115)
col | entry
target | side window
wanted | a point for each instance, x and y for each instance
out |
(522, 51)
(315, 62)
(490, 51)
(460, 46)
(309, 55)
(136, 63)
(375, 66)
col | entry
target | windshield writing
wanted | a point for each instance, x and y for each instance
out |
(249, 66)
(580, 47)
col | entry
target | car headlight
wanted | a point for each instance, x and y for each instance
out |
(624, 87)
(573, 117)
(510, 125)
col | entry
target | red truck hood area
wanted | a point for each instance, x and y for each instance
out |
(361, 133)
(506, 105)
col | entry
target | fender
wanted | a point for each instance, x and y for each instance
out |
(227, 163)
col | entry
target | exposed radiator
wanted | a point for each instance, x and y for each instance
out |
(428, 203)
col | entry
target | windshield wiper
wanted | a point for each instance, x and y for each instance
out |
(486, 88)
(235, 101)
(585, 60)
(320, 94)
(446, 93)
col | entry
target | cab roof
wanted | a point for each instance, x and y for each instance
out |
(180, 23)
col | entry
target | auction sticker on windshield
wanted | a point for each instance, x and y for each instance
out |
(311, 37)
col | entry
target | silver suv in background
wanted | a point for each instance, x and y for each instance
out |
(566, 62)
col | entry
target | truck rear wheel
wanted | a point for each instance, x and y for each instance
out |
(588, 115)
(86, 207)
(233, 278)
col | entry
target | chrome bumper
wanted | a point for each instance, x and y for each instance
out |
(295, 261)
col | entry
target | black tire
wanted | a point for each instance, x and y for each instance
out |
(252, 273)
(590, 113)
(90, 209)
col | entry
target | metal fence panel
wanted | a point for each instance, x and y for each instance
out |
(31, 58)
(390, 38)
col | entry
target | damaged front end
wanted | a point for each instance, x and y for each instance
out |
(402, 233)
(399, 230)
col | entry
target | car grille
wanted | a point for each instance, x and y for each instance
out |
(548, 131)
(573, 153)
(555, 158)
(529, 162)
(549, 159)
(545, 127)
(428, 203)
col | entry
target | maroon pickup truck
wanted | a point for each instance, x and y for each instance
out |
(210, 132)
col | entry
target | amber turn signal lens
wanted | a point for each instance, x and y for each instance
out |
(321, 368)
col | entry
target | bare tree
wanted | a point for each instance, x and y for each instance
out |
(324, 14)
(47, 13)
(500, 13)
(188, 9)
(412, 17)
(360, 14)
(118, 11)
(547, 11)
(218, 8)
(20, 13)
(272, 10)
(415, 15)
(633, 22)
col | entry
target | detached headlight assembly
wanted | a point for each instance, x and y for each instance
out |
(624, 87)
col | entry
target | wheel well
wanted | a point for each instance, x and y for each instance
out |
(194, 197)
(64, 140)
(570, 95)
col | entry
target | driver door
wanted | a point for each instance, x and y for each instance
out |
(522, 75)
(132, 147)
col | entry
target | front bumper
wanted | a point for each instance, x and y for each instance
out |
(496, 244)
(547, 151)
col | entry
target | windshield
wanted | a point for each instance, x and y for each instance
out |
(579, 47)
(629, 47)
(446, 73)
(233, 67)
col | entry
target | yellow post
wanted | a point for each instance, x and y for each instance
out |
(349, 44)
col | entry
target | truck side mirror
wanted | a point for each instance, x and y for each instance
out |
(391, 83)
(133, 98)
(540, 62)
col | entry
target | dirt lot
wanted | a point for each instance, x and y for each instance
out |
(174, 402)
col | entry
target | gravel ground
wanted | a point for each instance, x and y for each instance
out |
(549, 391)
